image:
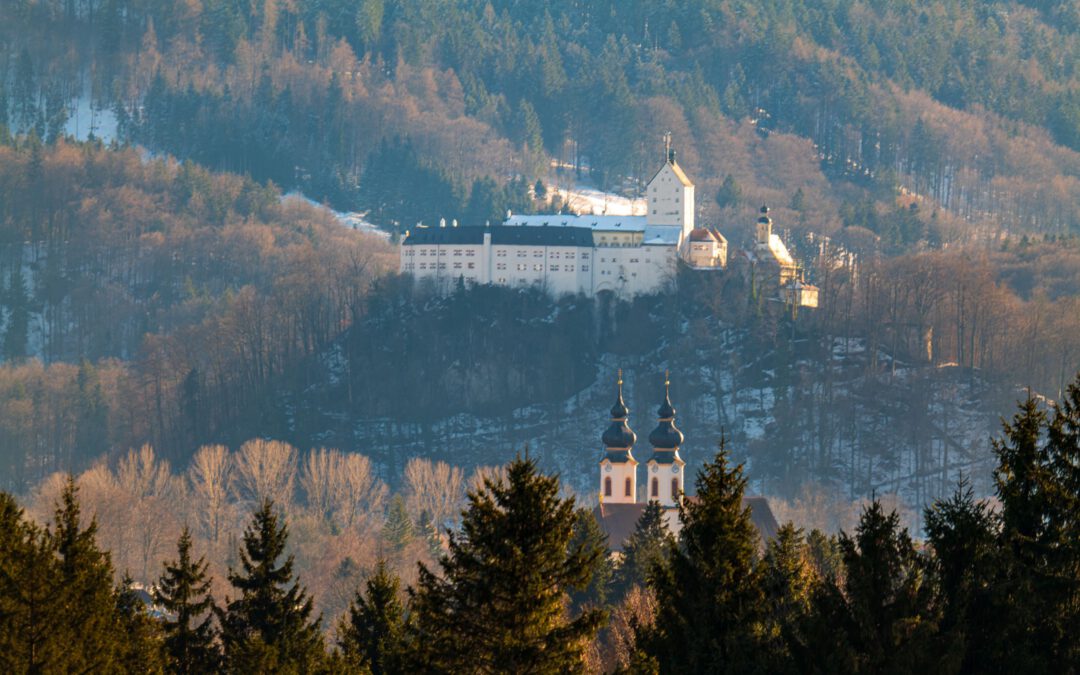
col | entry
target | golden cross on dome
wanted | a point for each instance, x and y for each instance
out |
(667, 381)
(620, 378)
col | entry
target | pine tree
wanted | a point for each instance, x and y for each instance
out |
(18, 320)
(88, 618)
(879, 618)
(499, 604)
(142, 648)
(644, 551)
(398, 529)
(268, 627)
(588, 535)
(32, 635)
(709, 594)
(788, 582)
(1063, 445)
(372, 633)
(729, 193)
(962, 534)
(183, 591)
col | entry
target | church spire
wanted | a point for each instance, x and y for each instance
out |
(666, 436)
(665, 483)
(618, 468)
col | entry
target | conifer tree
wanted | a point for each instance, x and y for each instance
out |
(709, 593)
(588, 535)
(184, 592)
(879, 617)
(32, 635)
(961, 532)
(398, 529)
(372, 633)
(499, 603)
(88, 617)
(788, 582)
(141, 649)
(268, 627)
(645, 550)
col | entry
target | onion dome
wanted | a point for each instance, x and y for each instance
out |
(666, 436)
(764, 216)
(619, 434)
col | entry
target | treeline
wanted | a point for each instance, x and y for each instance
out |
(524, 583)
(965, 106)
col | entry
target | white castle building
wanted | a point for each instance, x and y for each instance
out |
(570, 254)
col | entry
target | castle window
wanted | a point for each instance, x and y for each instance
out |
(537, 267)
(628, 490)
(500, 253)
(607, 486)
(584, 256)
(656, 487)
(470, 253)
(554, 268)
(423, 252)
(457, 252)
(674, 488)
(584, 268)
(442, 266)
(570, 256)
(500, 266)
(457, 265)
(538, 254)
(472, 266)
(522, 254)
(569, 268)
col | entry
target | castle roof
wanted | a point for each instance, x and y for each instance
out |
(680, 175)
(500, 235)
(706, 234)
(598, 223)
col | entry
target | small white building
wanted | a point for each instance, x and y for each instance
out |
(624, 255)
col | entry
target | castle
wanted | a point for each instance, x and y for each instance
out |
(588, 254)
(620, 506)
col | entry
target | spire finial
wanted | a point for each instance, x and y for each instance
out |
(620, 380)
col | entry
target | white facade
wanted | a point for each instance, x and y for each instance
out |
(568, 254)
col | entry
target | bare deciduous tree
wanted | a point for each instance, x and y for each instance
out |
(434, 489)
(265, 470)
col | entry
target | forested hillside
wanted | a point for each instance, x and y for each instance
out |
(968, 107)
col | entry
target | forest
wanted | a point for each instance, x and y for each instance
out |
(524, 581)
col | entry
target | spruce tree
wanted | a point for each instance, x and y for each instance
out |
(268, 627)
(88, 618)
(879, 618)
(645, 550)
(183, 591)
(789, 580)
(962, 533)
(499, 604)
(588, 535)
(33, 638)
(141, 650)
(709, 593)
(398, 529)
(371, 635)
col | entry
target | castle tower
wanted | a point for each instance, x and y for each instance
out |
(670, 197)
(618, 468)
(665, 467)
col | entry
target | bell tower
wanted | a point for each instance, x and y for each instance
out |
(618, 468)
(665, 467)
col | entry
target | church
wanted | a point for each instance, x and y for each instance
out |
(620, 505)
(571, 254)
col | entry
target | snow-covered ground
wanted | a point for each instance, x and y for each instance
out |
(587, 200)
(349, 219)
(84, 118)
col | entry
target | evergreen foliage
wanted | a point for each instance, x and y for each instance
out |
(372, 633)
(142, 648)
(645, 551)
(789, 581)
(268, 627)
(709, 593)
(588, 536)
(499, 603)
(183, 591)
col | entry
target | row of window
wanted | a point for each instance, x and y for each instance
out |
(654, 490)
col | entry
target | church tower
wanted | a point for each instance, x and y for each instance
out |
(618, 468)
(665, 467)
(670, 196)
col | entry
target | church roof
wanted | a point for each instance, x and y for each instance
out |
(619, 520)
(704, 234)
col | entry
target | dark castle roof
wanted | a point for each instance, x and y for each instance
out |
(514, 235)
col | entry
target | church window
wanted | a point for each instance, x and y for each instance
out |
(628, 490)
(655, 487)
(607, 486)
(674, 488)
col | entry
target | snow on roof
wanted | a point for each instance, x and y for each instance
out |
(779, 250)
(661, 235)
(599, 223)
